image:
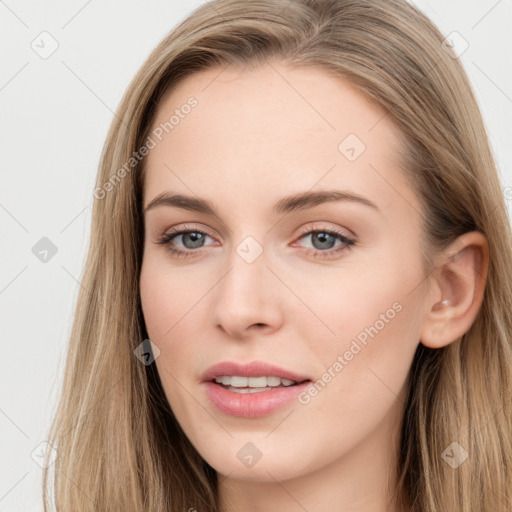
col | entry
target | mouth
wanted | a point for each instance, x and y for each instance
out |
(252, 390)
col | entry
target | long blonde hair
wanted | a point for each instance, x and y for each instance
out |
(119, 446)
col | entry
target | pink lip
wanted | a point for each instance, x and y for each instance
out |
(251, 405)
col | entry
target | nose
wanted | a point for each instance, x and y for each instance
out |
(246, 300)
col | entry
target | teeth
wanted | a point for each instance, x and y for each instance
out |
(273, 381)
(252, 382)
(239, 382)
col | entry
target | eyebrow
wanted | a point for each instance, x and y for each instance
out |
(296, 202)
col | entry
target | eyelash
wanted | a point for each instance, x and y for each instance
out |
(166, 241)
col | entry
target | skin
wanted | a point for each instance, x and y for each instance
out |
(255, 136)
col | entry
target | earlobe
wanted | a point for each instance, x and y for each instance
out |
(458, 292)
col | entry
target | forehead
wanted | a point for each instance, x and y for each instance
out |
(271, 127)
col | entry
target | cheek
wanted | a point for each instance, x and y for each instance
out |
(375, 315)
(174, 307)
(169, 297)
(169, 310)
(156, 303)
(376, 319)
(365, 371)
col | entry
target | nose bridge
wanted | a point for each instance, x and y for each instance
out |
(247, 281)
(246, 296)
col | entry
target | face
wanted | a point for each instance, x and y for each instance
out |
(326, 287)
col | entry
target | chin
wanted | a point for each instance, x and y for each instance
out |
(251, 461)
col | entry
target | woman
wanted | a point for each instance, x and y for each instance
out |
(298, 289)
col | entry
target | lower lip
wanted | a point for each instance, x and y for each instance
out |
(252, 405)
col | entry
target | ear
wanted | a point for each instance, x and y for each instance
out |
(457, 294)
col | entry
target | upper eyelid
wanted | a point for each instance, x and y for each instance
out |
(316, 227)
(308, 230)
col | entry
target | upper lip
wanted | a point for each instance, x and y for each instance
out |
(250, 369)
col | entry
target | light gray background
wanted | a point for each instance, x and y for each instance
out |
(55, 116)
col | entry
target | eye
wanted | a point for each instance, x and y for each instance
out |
(324, 240)
(185, 241)
(187, 238)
